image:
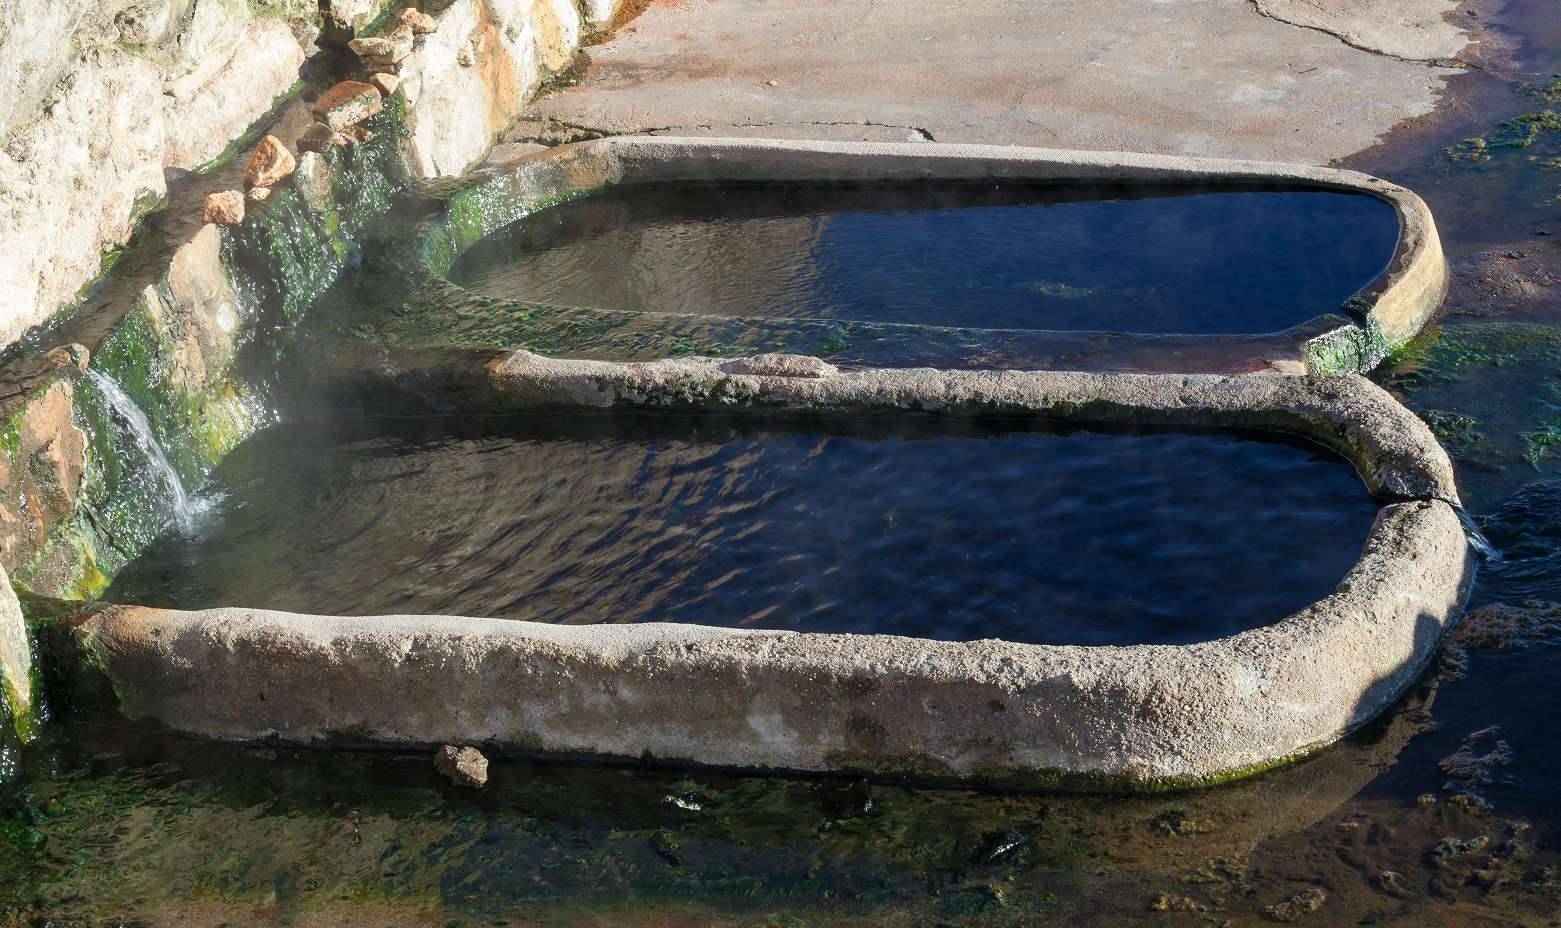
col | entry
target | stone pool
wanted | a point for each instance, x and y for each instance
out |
(954, 530)
(1150, 259)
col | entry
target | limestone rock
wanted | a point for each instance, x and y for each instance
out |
(16, 660)
(389, 48)
(257, 195)
(40, 482)
(320, 138)
(783, 365)
(386, 84)
(419, 23)
(464, 766)
(270, 163)
(225, 208)
(348, 104)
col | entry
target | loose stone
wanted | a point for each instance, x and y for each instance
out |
(385, 83)
(313, 180)
(258, 195)
(359, 134)
(270, 163)
(225, 208)
(348, 104)
(71, 355)
(464, 766)
(419, 23)
(320, 138)
(391, 48)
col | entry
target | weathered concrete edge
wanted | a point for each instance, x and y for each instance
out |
(992, 712)
(1396, 453)
(1394, 306)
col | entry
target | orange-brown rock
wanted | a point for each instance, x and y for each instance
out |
(225, 208)
(348, 104)
(270, 163)
(359, 134)
(40, 482)
(385, 83)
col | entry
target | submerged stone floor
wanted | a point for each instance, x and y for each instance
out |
(1277, 79)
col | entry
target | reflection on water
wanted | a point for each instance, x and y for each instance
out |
(989, 257)
(961, 530)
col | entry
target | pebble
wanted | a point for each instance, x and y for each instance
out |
(270, 163)
(464, 766)
(225, 208)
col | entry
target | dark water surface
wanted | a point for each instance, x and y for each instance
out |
(1002, 257)
(959, 531)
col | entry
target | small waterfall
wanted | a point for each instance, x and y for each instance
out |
(1477, 541)
(140, 431)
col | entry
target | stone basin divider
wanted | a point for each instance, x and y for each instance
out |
(1388, 311)
(985, 712)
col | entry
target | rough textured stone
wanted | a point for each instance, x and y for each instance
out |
(76, 176)
(783, 365)
(320, 138)
(16, 660)
(419, 23)
(464, 766)
(196, 312)
(312, 180)
(40, 482)
(389, 49)
(270, 163)
(226, 208)
(1129, 717)
(470, 78)
(347, 104)
(257, 195)
(386, 84)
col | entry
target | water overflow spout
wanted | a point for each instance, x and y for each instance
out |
(140, 431)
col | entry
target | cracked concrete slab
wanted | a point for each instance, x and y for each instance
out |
(1415, 30)
(1186, 77)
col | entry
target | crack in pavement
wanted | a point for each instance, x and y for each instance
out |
(1257, 5)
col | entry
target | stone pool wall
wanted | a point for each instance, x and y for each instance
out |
(991, 711)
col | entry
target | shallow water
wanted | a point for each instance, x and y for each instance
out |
(958, 530)
(999, 257)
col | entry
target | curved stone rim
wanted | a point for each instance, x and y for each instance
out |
(1392, 308)
(1145, 717)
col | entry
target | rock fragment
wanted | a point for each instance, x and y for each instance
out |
(1292, 909)
(225, 208)
(388, 49)
(258, 195)
(270, 163)
(419, 23)
(313, 180)
(464, 766)
(348, 104)
(385, 83)
(320, 138)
